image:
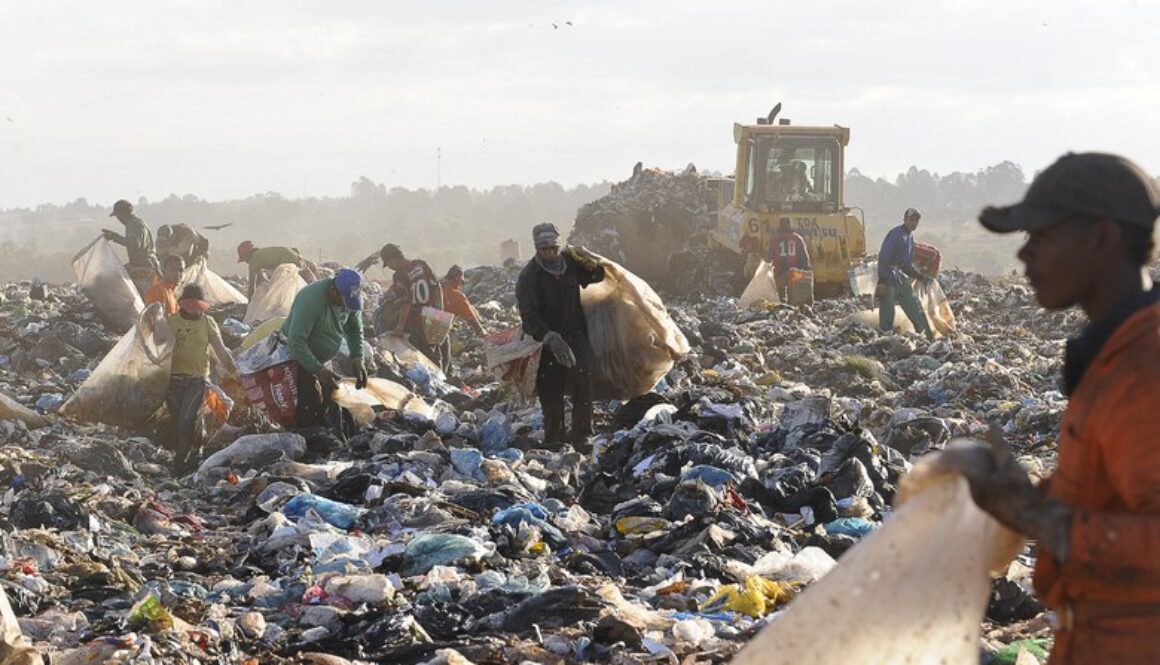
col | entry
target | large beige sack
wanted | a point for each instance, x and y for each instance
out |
(379, 394)
(634, 340)
(914, 591)
(130, 382)
(218, 291)
(868, 318)
(275, 296)
(762, 288)
(15, 648)
(10, 409)
(938, 309)
(105, 282)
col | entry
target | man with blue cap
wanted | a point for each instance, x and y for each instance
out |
(323, 314)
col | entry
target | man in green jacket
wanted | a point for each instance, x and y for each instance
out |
(138, 243)
(323, 314)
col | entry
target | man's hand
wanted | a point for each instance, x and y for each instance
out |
(1001, 488)
(560, 349)
(109, 235)
(366, 263)
(328, 380)
(360, 373)
(583, 258)
(880, 290)
(398, 332)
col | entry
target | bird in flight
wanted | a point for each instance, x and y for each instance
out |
(217, 227)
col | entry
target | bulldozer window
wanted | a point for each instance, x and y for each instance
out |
(796, 175)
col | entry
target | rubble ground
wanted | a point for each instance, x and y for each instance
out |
(700, 510)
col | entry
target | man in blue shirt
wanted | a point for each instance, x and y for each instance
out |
(895, 270)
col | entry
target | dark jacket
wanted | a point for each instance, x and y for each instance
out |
(552, 304)
(896, 256)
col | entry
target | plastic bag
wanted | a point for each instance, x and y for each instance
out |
(864, 278)
(800, 290)
(379, 395)
(217, 291)
(105, 282)
(130, 383)
(428, 550)
(634, 340)
(938, 309)
(914, 591)
(268, 377)
(514, 357)
(397, 349)
(436, 324)
(762, 288)
(756, 598)
(272, 300)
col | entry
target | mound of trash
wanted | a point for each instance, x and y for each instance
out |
(646, 219)
(445, 532)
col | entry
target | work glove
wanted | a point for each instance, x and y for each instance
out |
(1002, 488)
(560, 349)
(583, 258)
(328, 380)
(360, 374)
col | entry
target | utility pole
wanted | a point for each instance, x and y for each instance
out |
(438, 169)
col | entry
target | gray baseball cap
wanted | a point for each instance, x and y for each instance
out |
(1091, 183)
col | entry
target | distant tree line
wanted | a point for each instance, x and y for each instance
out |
(466, 226)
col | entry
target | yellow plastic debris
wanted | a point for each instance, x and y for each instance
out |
(756, 598)
(640, 525)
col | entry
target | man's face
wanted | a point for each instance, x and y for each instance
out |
(1059, 263)
(911, 223)
(548, 254)
(173, 269)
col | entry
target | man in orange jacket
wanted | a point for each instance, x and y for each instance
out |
(1089, 220)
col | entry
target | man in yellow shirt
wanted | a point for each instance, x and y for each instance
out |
(194, 333)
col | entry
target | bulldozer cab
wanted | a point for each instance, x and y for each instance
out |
(793, 172)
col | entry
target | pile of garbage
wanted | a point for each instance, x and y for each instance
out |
(450, 534)
(646, 219)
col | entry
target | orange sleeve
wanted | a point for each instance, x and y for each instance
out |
(1122, 545)
(456, 302)
(158, 293)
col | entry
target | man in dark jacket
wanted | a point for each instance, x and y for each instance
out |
(548, 293)
(895, 270)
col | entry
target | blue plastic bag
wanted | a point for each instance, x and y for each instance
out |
(334, 513)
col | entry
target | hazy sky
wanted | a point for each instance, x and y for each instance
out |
(226, 99)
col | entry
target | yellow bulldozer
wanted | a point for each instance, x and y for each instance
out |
(683, 231)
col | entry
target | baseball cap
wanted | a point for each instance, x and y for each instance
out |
(349, 285)
(1091, 183)
(192, 299)
(545, 235)
(120, 207)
